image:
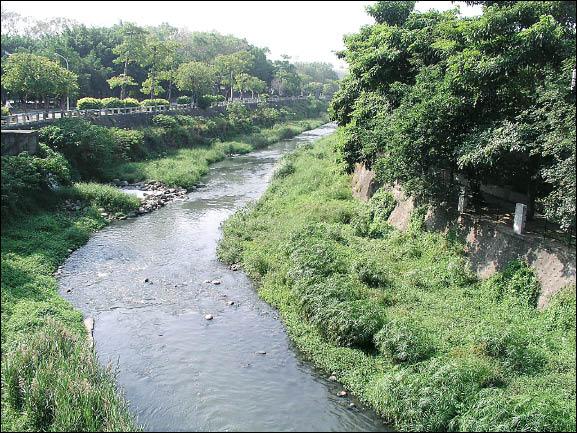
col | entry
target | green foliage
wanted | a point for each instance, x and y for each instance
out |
(404, 341)
(5, 111)
(183, 100)
(51, 379)
(56, 380)
(130, 102)
(452, 353)
(27, 181)
(433, 94)
(107, 197)
(154, 102)
(89, 103)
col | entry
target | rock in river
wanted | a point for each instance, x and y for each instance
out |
(208, 317)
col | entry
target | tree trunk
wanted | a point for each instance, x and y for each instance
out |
(123, 86)
(231, 85)
(169, 90)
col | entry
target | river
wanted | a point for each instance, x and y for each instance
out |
(178, 370)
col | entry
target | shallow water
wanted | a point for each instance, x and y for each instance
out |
(178, 370)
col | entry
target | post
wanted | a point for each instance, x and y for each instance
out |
(462, 202)
(520, 218)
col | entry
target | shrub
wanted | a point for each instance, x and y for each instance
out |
(183, 100)
(89, 103)
(382, 203)
(129, 143)
(5, 111)
(154, 102)
(89, 148)
(517, 283)
(403, 340)
(112, 103)
(372, 273)
(165, 121)
(27, 181)
(130, 102)
(430, 398)
(206, 101)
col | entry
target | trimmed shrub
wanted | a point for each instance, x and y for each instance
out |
(89, 103)
(130, 102)
(183, 100)
(154, 102)
(112, 103)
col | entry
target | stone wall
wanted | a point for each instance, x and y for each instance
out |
(15, 141)
(489, 243)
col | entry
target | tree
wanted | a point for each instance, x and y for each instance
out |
(130, 50)
(432, 95)
(29, 75)
(229, 65)
(197, 78)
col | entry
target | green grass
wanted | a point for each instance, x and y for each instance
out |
(185, 167)
(51, 380)
(399, 316)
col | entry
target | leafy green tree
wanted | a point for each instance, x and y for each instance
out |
(130, 50)
(196, 78)
(230, 65)
(29, 75)
(432, 97)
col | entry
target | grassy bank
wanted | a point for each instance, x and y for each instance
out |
(398, 316)
(184, 167)
(51, 380)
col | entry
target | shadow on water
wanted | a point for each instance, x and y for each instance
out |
(180, 371)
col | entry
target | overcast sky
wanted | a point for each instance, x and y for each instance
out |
(306, 31)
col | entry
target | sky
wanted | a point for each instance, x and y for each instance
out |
(305, 30)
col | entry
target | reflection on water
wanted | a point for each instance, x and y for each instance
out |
(180, 371)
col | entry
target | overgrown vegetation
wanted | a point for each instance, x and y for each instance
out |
(399, 316)
(51, 379)
(434, 96)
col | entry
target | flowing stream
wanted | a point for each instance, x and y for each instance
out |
(178, 370)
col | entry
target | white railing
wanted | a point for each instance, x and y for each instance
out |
(50, 116)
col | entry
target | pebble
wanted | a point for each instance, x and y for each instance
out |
(332, 378)
(261, 352)
(208, 317)
(230, 302)
(207, 281)
(342, 394)
(216, 282)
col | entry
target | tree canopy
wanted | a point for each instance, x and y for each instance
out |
(433, 97)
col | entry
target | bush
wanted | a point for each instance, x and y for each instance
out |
(183, 100)
(129, 143)
(5, 111)
(27, 181)
(517, 283)
(89, 148)
(431, 398)
(403, 340)
(89, 103)
(112, 103)
(382, 203)
(154, 102)
(130, 102)
(372, 273)
(206, 101)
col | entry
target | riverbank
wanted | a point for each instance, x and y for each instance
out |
(399, 318)
(50, 376)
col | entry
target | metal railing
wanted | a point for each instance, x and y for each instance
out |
(50, 116)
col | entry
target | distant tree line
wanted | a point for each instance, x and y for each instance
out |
(127, 60)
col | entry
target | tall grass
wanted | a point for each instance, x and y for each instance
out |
(399, 316)
(51, 380)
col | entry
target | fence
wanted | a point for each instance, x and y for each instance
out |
(50, 116)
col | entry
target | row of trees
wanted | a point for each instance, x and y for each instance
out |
(129, 60)
(434, 97)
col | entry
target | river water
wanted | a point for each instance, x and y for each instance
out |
(179, 371)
